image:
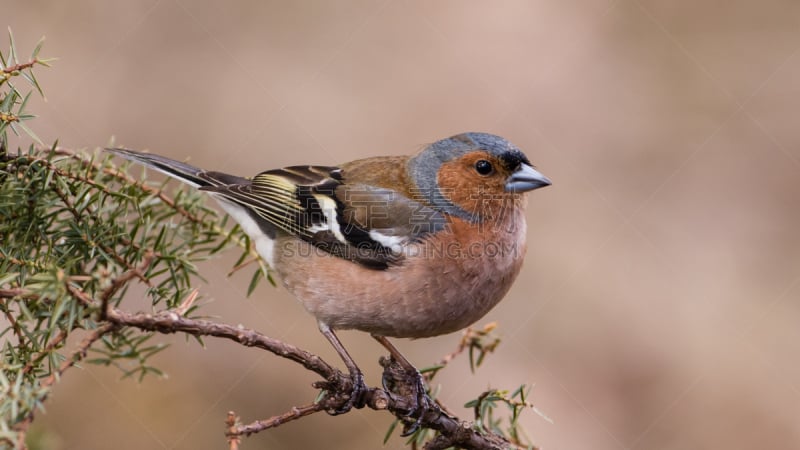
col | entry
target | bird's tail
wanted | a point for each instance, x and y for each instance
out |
(184, 172)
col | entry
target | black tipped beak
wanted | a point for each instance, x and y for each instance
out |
(526, 178)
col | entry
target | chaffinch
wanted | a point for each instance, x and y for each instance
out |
(397, 246)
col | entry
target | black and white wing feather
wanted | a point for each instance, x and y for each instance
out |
(364, 224)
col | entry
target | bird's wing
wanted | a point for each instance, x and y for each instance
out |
(367, 225)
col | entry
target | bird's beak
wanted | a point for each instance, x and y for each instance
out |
(526, 178)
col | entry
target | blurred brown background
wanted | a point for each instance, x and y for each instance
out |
(658, 307)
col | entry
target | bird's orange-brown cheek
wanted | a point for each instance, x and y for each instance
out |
(459, 183)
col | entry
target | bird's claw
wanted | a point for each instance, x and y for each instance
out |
(418, 408)
(419, 398)
(356, 396)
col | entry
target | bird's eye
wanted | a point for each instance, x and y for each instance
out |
(483, 167)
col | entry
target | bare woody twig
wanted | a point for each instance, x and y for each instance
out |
(11, 320)
(274, 421)
(172, 322)
(52, 345)
(233, 439)
(21, 66)
(17, 292)
(453, 432)
(456, 433)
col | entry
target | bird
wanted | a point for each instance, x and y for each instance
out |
(396, 246)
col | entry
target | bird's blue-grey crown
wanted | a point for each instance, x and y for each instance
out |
(424, 167)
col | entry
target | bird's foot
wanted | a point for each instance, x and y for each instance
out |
(407, 387)
(345, 402)
(420, 405)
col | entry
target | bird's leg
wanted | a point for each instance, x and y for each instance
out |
(359, 388)
(420, 397)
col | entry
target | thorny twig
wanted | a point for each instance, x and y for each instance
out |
(120, 281)
(21, 427)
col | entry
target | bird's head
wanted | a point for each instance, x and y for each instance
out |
(474, 175)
